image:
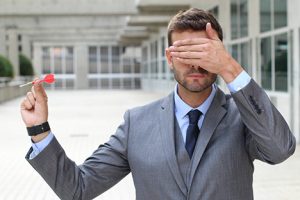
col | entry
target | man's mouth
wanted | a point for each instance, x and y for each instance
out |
(197, 73)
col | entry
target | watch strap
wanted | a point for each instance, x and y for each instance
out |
(35, 130)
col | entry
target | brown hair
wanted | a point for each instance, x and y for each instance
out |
(192, 19)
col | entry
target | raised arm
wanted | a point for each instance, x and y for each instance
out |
(103, 169)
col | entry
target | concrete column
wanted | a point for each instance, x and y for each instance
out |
(2, 42)
(13, 52)
(224, 20)
(295, 87)
(81, 65)
(148, 60)
(26, 46)
(253, 30)
(159, 57)
(37, 59)
(293, 6)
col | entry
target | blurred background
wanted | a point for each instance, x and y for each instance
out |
(116, 48)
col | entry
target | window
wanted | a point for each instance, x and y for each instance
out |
(266, 58)
(243, 13)
(280, 13)
(115, 59)
(46, 60)
(93, 60)
(127, 65)
(104, 59)
(239, 18)
(245, 56)
(215, 12)
(57, 53)
(274, 62)
(273, 14)
(154, 60)
(241, 52)
(110, 67)
(144, 62)
(59, 60)
(69, 60)
(281, 62)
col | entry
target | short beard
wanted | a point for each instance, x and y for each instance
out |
(196, 88)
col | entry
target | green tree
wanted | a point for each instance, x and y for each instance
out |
(6, 68)
(26, 68)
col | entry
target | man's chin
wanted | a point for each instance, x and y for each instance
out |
(196, 88)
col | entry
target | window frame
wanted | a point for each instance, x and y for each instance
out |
(273, 34)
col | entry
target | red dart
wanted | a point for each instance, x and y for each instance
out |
(49, 78)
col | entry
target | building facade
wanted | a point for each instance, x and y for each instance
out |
(121, 43)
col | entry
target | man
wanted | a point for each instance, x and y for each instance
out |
(197, 143)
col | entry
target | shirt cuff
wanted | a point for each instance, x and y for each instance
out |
(41, 145)
(239, 82)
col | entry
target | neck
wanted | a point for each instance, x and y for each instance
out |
(193, 99)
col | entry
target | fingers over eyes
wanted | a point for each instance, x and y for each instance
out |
(192, 41)
(202, 47)
(196, 55)
(189, 61)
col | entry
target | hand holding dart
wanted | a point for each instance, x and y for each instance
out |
(49, 78)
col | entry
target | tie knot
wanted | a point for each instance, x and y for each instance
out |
(194, 116)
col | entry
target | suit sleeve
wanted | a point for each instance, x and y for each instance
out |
(103, 169)
(268, 137)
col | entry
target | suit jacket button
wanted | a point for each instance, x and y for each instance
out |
(259, 111)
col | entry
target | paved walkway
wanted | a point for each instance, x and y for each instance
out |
(81, 120)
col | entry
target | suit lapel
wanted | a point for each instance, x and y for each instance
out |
(168, 139)
(212, 118)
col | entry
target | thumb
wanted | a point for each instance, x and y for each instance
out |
(211, 33)
(40, 93)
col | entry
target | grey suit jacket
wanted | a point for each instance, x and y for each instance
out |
(236, 130)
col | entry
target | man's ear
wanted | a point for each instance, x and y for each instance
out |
(169, 58)
(211, 33)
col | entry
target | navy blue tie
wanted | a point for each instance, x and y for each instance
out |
(192, 131)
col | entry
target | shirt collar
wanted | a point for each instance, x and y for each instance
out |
(181, 108)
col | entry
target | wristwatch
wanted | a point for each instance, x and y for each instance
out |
(35, 130)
